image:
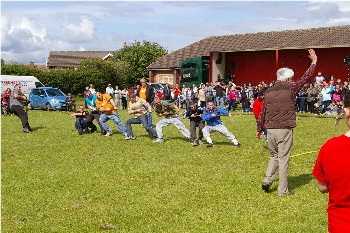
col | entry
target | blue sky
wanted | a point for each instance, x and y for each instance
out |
(30, 29)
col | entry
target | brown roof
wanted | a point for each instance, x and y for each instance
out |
(73, 58)
(337, 36)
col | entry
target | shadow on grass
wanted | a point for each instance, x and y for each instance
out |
(299, 181)
(295, 182)
(37, 128)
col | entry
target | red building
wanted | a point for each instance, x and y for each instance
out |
(255, 57)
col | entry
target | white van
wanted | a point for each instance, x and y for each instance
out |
(27, 83)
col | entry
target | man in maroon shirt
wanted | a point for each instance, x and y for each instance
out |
(332, 173)
(279, 116)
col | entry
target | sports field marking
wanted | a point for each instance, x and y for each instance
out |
(223, 152)
(304, 153)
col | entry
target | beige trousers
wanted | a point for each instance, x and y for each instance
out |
(280, 142)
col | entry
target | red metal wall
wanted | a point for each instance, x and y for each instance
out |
(260, 66)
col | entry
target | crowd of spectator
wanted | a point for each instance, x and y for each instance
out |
(324, 95)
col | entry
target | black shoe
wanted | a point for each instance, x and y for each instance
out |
(102, 133)
(265, 187)
(87, 131)
(287, 194)
(238, 145)
(210, 145)
(80, 132)
(26, 130)
(93, 129)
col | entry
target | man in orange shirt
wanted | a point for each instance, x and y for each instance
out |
(108, 109)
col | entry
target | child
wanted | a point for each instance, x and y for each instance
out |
(80, 120)
(257, 107)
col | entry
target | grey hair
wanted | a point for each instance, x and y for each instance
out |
(284, 73)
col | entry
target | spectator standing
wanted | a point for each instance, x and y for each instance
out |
(245, 101)
(250, 90)
(319, 78)
(232, 96)
(109, 90)
(201, 95)
(302, 99)
(166, 92)
(312, 94)
(208, 90)
(189, 95)
(6, 100)
(332, 173)
(124, 98)
(118, 97)
(279, 114)
(219, 94)
(327, 96)
(92, 89)
(177, 90)
(194, 88)
(337, 93)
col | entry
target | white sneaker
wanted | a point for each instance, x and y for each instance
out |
(160, 140)
(108, 134)
(130, 138)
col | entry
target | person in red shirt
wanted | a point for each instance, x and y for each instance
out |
(257, 107)
(176, 93)
(332, 173)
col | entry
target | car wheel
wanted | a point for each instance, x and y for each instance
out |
(48, 107)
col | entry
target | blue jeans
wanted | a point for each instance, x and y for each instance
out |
(115, 117)
(149, 119)
(142, 119)
(219, 101)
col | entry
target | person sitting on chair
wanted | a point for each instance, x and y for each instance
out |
(70, 103)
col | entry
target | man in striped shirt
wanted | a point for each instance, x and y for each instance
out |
(139, 107)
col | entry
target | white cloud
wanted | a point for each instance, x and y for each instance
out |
(5, 28)
(82, 32)
(29, 32)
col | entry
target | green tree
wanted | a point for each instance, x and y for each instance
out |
(100, 73)
(139, 55)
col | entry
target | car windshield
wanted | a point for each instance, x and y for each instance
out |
(54, 92)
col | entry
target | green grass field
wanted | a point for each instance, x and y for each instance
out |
(54, 180)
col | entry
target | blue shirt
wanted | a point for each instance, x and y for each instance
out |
(91, 101)
(212, 121)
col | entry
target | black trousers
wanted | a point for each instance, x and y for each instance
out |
(18, 111)
(193, 126)
(93, 115)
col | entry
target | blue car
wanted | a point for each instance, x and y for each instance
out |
(47, 98)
